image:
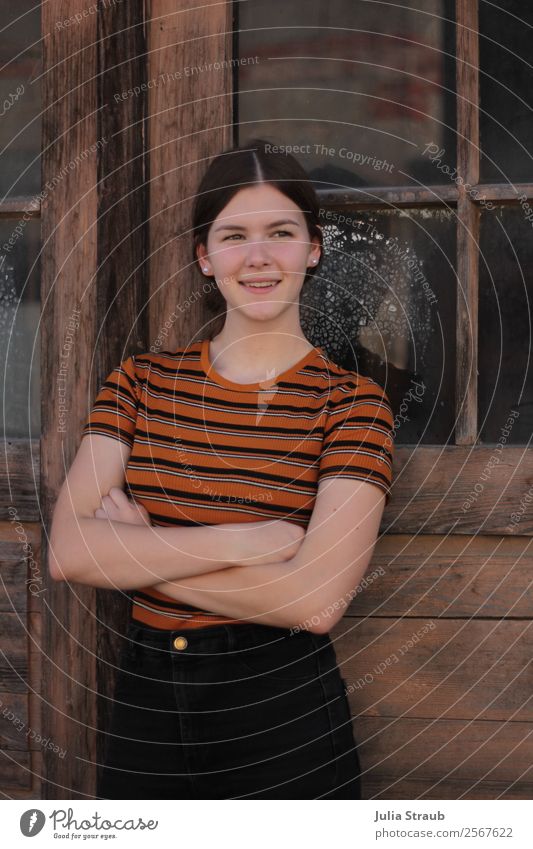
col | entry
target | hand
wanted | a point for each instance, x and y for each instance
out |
(273, 541)
(117, 507)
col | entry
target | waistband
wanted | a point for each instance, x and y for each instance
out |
(222, 634)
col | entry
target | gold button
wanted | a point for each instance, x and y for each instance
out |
(180, 643)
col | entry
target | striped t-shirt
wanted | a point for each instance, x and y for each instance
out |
(206, 450)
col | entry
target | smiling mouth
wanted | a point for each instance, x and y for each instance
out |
(264, 286)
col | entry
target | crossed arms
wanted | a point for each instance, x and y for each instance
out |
(298, 580)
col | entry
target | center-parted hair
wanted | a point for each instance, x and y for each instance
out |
(239, 168)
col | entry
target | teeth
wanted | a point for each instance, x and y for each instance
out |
(261, 285)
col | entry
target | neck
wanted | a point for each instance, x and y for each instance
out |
(257, 348)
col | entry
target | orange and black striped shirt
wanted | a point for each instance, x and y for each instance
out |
(206, 450)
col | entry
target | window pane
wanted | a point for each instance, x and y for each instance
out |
(20, 98)
(505, 311)
(19, 322)
(383, 304)
(506, 91)
(363, 87)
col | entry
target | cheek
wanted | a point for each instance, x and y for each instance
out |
(291, 255)
(228, 255)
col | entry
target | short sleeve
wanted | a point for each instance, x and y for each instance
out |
(358, 436)
(114, 411)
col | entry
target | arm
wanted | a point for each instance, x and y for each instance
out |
(124, 555)
(263, 594)
(313, 588)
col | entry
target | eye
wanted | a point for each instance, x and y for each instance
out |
(239, 235)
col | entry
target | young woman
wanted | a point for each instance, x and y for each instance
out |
(258, 471)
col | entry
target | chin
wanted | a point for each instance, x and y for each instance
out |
(262, 312)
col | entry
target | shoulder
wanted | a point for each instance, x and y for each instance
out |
(346, 384)
(164, 362)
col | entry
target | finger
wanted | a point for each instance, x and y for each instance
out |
(100, 514)
(118, 496)
(143, 512)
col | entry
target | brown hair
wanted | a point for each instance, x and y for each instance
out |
(238, 168)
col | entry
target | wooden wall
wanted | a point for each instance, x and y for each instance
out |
(21, 604)
(189, 121)
(436, 651)
(436, 656)
(94, 250)
(116, 247)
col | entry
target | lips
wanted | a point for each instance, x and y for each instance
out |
(263, 288)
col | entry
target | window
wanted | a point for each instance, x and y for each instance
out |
(20, 175)
(379, 102)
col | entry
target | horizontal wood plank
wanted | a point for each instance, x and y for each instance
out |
(15, 732)
(14, 657)
(15, 206)
(20, 722)
(15, 770)
(385, 196)
(13, 572)
(446, 669)
(445, 759)
(460, 490)
(449, 789)
(33, 782)
(19, 480)
(446, 576)
(382, 196)
(502, 192)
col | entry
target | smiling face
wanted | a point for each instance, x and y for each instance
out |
(260, 237)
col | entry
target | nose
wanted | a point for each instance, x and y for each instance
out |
(258, 253)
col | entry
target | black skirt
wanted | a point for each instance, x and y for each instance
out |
(229, 712)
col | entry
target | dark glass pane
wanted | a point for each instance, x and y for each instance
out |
(383, 303)
(19, 323)
(506, 91)
(363, 88)
(20, 98)
(505, 311)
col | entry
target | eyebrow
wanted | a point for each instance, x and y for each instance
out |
(272, 224)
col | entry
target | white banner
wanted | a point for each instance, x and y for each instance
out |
(359, 824)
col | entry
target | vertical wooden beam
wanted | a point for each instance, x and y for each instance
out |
(467, 221)
(94, 221)
(121, 291)
(69, 262)
(189, 121)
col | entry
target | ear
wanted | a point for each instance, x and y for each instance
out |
(315, 253)
(205, 265)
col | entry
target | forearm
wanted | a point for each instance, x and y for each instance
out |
(270, 594)
(119, 555)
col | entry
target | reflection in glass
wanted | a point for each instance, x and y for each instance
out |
(20, 98)
(383, 304)
(506, 91)
(363, 87)
(19, 322)
(505, 312)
